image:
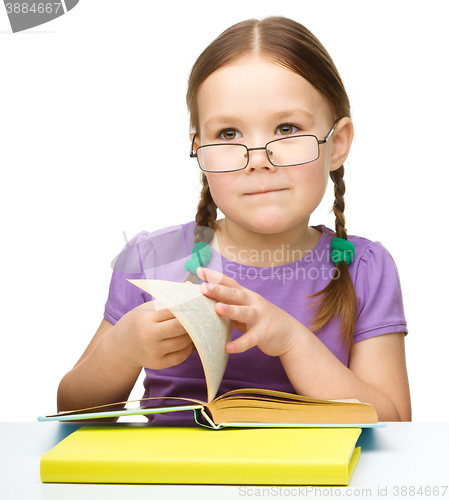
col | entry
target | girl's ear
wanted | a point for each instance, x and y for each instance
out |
(342, 140)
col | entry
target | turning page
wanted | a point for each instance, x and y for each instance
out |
(196, 313)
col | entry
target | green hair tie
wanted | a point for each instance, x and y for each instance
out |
(201, 255)
(342, 250)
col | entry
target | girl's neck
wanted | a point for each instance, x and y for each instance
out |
(263, 250)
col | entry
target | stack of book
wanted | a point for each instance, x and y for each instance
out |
(263, 437)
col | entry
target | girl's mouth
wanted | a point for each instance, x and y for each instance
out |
(266, 192)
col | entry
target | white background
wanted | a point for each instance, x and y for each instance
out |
(94, 142)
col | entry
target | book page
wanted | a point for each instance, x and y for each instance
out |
(196, 313)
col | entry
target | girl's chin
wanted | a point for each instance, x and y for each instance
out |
(269, 224)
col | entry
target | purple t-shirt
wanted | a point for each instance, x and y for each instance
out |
(162, 254)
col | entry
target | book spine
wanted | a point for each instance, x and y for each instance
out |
(155, 471)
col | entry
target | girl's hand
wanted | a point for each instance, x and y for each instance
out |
(150, 336)
(264, 325)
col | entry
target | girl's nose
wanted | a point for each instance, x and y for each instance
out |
(258, 160)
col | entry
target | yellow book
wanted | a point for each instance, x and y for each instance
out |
(193, 455)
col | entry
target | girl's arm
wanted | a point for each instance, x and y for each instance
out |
(98, 377)
(386, 354)
(377, 373)
(111, 364)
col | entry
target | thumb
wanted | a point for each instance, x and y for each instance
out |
(241, 344)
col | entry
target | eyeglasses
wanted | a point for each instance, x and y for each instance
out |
(285, 152)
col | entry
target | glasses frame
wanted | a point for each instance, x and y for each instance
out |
(319, 142)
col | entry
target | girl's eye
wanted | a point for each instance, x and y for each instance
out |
(229, 134)
(287, 129)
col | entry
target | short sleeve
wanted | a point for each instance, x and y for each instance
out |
(379, 294)
(159, 254)
(135, 261)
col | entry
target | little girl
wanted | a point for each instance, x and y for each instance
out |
(315, 312)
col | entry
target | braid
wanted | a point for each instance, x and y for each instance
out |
(206, 220)
(338, 298)
(206, 215)
(339, 202)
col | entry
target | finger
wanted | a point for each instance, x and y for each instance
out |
(178, 343)
(222, 293)
(209, 275)
(216, 277)
(177, 357)
(239, 313)
(242, 344)
(163, 314)
(171, 328)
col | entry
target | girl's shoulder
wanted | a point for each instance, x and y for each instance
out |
(378, 288)
(148, 249)
(369, 256)
(364, 248)
(150, 238)
(178, 238)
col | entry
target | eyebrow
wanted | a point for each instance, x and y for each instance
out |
(294, 112)
(221, 120)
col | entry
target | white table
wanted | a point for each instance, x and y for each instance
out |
(395, 462)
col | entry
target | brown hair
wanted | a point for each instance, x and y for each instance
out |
(291, 45)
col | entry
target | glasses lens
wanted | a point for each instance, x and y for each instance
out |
(293, 150)
(222, 157)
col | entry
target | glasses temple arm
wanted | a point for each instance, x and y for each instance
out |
(192, 154)
(331, 131)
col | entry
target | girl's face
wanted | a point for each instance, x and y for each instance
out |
(252, 102)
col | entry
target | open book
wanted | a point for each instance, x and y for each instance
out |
(244, 407)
